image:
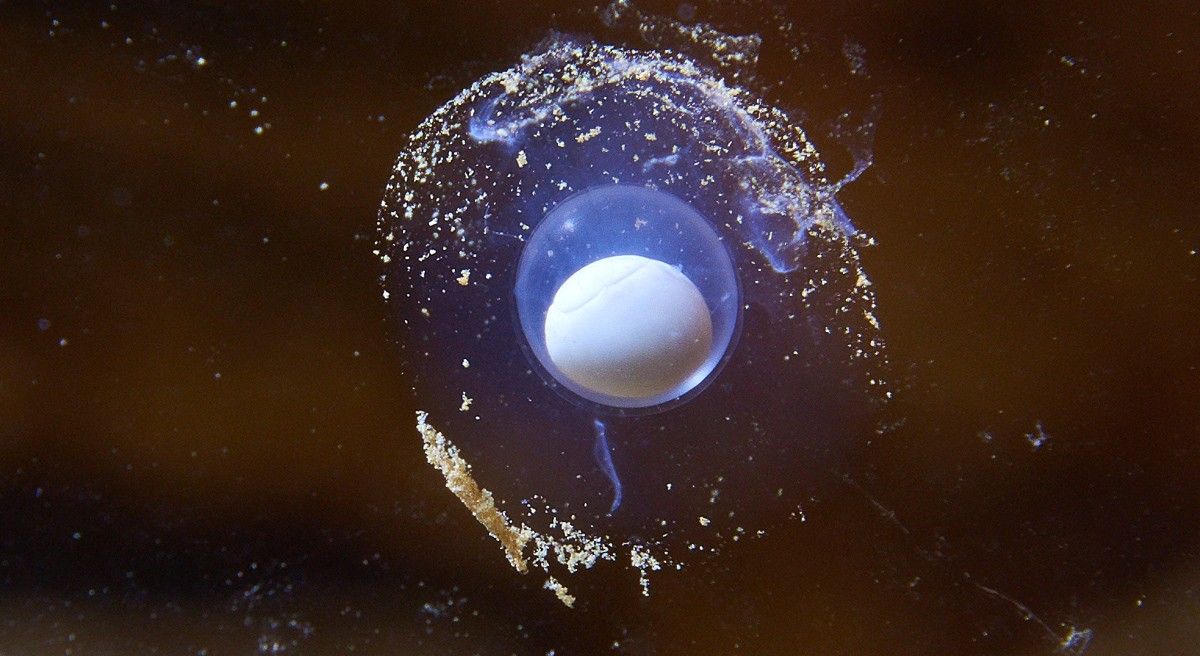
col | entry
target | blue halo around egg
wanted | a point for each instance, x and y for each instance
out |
(585, 136)
(614, 220)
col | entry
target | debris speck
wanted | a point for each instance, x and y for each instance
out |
(644, 562)
(560, 591)
(588, 136)
(1038, 438)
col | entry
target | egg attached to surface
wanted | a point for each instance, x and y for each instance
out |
(628, 326)
(638, 276)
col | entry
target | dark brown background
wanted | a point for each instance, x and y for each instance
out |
(204, 439)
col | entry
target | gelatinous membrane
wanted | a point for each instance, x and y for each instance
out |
(574, 123)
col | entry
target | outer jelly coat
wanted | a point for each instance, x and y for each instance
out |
(478, 175)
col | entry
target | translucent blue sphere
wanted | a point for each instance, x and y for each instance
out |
(616, 220)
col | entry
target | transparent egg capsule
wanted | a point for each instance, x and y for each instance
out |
(625, 293)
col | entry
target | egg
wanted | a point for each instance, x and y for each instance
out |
(628, 326)
(660, 300)
(628, 299)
